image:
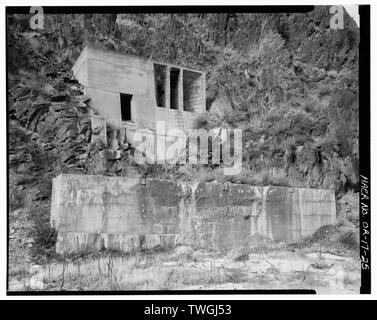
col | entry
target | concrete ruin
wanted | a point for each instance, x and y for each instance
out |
(133, 93)
(93, 213)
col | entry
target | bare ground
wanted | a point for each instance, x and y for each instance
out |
(328, 270)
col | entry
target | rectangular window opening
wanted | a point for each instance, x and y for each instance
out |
(174, 81)
(160, 80)
(192, 91)
(125, 106)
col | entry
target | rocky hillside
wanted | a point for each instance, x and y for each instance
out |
(288, 80)
(295, 94)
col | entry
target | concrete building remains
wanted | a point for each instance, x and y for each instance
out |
(133, 93)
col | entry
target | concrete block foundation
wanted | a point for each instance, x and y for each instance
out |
(93, 213)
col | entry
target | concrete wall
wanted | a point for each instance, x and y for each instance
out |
(110, 74)
(80, 69)
(96, 212)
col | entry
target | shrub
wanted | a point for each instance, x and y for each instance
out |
(43, 234)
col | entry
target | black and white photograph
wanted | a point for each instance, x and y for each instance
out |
(196, 149)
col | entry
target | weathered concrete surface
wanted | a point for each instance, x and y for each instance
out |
(97, 212)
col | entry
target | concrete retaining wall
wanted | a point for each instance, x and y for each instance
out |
(97, 212)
